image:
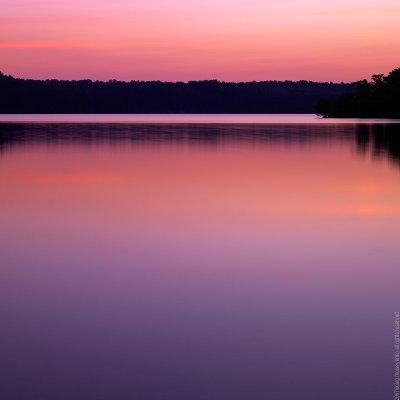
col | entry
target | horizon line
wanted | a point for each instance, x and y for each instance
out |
(177, 81)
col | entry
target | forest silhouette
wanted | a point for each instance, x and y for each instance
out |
(377, 98)
(212, 96)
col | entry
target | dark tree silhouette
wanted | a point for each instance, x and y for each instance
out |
(378, 98)
(86, 96)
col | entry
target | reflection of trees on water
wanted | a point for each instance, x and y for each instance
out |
(124, 134)
(378, 141)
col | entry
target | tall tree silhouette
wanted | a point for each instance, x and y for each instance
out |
(377, 98)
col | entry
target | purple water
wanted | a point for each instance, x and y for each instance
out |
(186, 261)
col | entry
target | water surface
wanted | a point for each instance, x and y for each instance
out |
(198, 261)
(190, 118)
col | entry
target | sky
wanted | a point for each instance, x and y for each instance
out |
(181, 40)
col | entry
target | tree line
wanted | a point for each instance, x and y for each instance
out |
(211, 96)
(376, 98)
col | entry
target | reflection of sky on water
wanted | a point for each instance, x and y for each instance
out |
(198, 262)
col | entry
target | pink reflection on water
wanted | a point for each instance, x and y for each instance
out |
(190, 271)
(190, 118)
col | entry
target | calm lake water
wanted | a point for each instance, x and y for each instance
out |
(167, 259)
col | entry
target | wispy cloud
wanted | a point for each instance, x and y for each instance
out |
(356, 12)
(52, 44)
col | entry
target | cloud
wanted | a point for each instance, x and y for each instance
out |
(356, 12)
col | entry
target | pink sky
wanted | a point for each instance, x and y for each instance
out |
(211, 39)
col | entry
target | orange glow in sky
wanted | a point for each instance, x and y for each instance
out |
(174, 40)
